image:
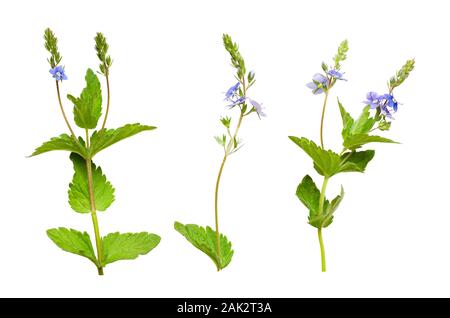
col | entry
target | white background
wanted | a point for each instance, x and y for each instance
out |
(390, 236)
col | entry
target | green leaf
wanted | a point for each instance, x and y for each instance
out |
(73, 241)
(355, 133)
(125, 246)
(107, 137)
(326, 162)
(62, 142)
(326, 218)
(329, 212)
(335, 203)
(309, 195)
(347, 121)
(78, 190)
(355, 141)
(356, 161)
(88, 107)
(221, 140)
(364, 123)
(206, 241)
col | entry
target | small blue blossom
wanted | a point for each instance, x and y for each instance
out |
(391, 102)
(58, 73)
(231, 92)
(336, 74)
(386, 103)
(233, 97)
(319, 82)
(372, 99)
(258, 107)
(237, 100)
(385, 111)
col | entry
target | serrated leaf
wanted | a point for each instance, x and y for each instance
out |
(364, 123)
(329, 212)
(347, 121)
(206, 241)
(78, 189)
(309, 195)
(62, 142)
(326, 162)
(73, 241)
(88, 107)
(356, 161)
(326, 218)
(353, 142)
(107, 137)
(335, 202)
(127, 246)
(355, 133)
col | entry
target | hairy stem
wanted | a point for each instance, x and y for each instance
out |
(98, 238)
(87, 138)
(108, 99)
(322, 195)
(62, 110)
(323, 117)
(216, 209)
(322, 251)
(321, 206)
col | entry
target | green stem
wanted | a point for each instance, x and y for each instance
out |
(322, 251)
(322, 195)
(98, 242)
(325, 180)
(108, 100)
(98, 238)
(321, 206)
(63, 112)
(323, 117)
(87, 138)
(216, 209)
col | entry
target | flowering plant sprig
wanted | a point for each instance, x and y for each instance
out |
(355, 134)
(90, 191)
(212, 242)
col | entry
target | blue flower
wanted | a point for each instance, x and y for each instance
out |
(231, 92)
(372, 99)
(233, 97)
(318, 84)
(386, 103)
(385, 111)
(258, 107)
(58, 73)
(236, 101)
(336, 74)
(391, 102)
